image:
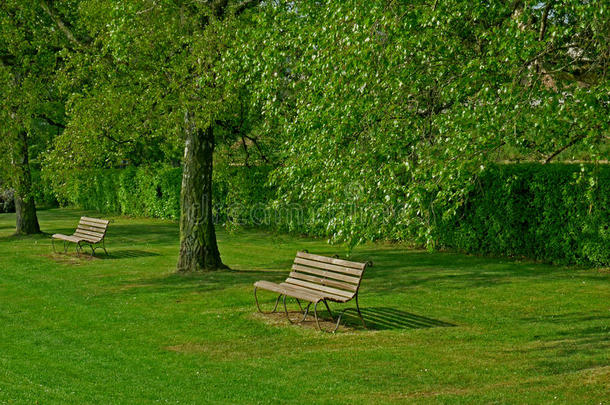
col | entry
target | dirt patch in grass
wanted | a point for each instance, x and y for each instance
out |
(134, 285)
(187, 348)
(70, 258)
(279, 319)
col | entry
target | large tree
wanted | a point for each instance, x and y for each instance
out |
(152, 70)
(392, 110)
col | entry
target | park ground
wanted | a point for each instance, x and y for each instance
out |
(445, 327)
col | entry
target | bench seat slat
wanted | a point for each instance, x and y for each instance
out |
(90, 233)
(319, 287)
(324, 281)
(92, 228)
(92, 224)
(323, 295)
(327, 274)
(86, 238)
(327, 266)
(289, 290)
(332, 260)
(69, 238)
(96, 220)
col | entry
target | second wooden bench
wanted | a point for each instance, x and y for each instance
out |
(318, 279)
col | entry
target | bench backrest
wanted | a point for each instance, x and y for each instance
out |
(92, 229)
(327, 274)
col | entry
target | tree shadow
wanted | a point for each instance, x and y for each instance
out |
(408, 268)
(152, 233)
(177, 283)
(18, 237)
(572, 342)
(571, 318)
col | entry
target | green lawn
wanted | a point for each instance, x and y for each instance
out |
(448, 328)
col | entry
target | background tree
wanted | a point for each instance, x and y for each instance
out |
(30, 107)
(150, 74)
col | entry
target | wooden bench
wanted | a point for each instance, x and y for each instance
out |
(316, 279)
(89, 232)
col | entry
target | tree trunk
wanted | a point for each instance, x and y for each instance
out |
(198, 246)
(25, 208)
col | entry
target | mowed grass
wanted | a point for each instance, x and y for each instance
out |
(446, 328)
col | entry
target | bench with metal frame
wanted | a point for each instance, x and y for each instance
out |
(318, 279)
(89, 232)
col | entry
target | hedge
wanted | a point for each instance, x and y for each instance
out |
(154, 191)
(556, 213)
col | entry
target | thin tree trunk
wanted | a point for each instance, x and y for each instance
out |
(198, 246)
(25, 207)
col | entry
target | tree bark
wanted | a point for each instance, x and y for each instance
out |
(198, 246)
(25, 207)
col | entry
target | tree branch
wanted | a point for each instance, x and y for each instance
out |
(545, 17)
(51, 121)
(258, 147)
(573, 142)
(243, 142)
(63, 27)
(117, 141)
(245, 5)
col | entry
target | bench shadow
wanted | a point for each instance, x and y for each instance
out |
(387, 318)
(376, 318)
(124, 254)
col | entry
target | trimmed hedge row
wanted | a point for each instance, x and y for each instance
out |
(142, 191)
(556, 213)
(155, 191)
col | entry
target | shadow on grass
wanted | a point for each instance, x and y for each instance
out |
(162, 234)
(388, 318)
(177, 283)
(401, 269)
(376, 318)
(571, 350)
(383, 318)
(124, 254)
(16, 237)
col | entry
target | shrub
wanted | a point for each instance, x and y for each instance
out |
(154, 191)
(558, 213)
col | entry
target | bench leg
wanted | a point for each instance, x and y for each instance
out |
(330, 313)
(357, 310)
(304, 313)
(315, 312)
(360, 313)
(104, 247)
(277, 301)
